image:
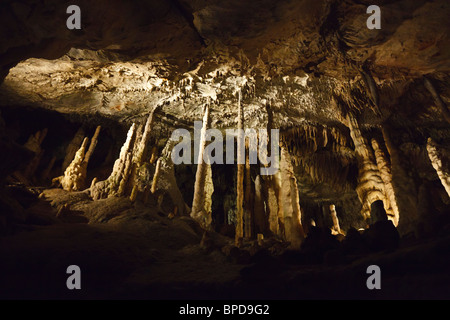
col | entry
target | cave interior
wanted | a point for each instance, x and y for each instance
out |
(355, 122)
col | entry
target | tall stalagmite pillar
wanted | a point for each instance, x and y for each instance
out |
(248, 197)
(120, 171)
(92, 146)
(289, 200)
(198, 204)
(240, 174)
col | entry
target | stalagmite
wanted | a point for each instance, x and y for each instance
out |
(240, 175)
(404, 187)
(167, 182)
(34, 144)
(92, 146)
(125, 175)
(386, 176)
(370, 185)
(336, 229)
(437, 163)
(272, 205)
(74, 175)
(248, 208)
(258, 206)
(289, 200)
(133, 195)
(73, 147)
(437, 99)
(198, 204)
(156, 175)
(154, 155)
(110, 186)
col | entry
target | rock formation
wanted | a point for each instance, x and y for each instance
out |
(439, 164)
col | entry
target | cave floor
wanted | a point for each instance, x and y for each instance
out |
(139, 254)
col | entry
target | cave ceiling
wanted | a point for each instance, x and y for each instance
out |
(297, 56)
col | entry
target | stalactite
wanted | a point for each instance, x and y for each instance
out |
(437, 163)
(437, 99)
(404, 186)
(386, 176)
(370, 185)
(240, 174)
(198, 204)
(371, 86)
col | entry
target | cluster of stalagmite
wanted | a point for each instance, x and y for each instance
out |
(74, 178)
(131, 171)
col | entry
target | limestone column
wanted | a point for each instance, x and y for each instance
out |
(92, 146)
(240, 174)
(386, 176)
(403, 185)
(336, 228)
(198, 204)
(248, 208)
(293, 229)
(370, 185)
